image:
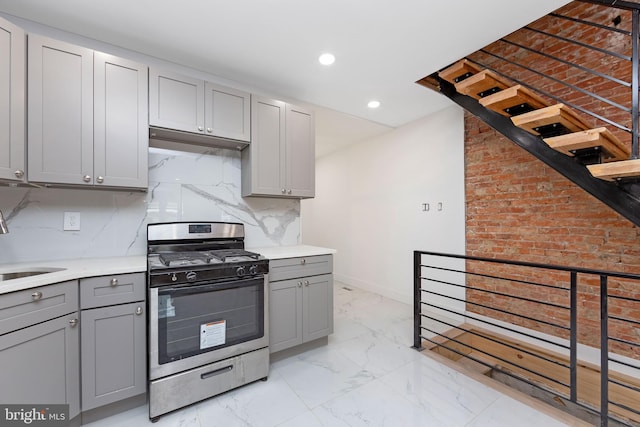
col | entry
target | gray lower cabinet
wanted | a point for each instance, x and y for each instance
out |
(300, 305)
(87, 116)
(40, 346)
(12, 102)
(280, 161)
(113, 339)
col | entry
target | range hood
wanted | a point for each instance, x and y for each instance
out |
(171, 135)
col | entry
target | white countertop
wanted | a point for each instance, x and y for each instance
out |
(71, 269)
(279, 252)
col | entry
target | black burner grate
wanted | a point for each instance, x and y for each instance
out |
(168, 257)
(223, 254)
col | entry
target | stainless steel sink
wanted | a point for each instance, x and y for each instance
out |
(21, 274)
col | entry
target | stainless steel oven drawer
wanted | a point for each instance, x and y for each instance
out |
(111, 290)
(291, 268)
(176, 391)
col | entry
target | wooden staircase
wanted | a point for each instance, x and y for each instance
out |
(561, 128)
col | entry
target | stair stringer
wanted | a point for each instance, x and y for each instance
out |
(614, 196)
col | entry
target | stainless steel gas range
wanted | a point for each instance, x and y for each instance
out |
(208, 313)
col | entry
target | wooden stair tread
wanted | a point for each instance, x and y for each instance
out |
(612, 148)
(455, 72)
(616, 170)
(430, 82)
(511, 97)
(557, 116)
(482, 84)
(474, 366)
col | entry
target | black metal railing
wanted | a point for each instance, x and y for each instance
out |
(559, 320)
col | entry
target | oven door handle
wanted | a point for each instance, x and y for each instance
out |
(188, 289)
(216, 372)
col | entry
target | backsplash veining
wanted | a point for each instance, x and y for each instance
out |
(183, 186)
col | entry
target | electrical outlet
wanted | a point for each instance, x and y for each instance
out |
(71, 221)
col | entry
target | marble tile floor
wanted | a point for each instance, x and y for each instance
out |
(367, 375)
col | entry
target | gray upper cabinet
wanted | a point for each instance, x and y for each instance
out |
(83, 128)
(12, 102)
(121, 138)
(280, 161)
(192, 105)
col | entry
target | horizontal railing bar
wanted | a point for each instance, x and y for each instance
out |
(548, 304)
(622, 319)
(593, 24)
(489, 276)
(620, 297)
(496, 325)
(566, 328)
(579, 67)
(621, 341)
(627, 364)
(558, 99)
(472, 332)
(620, 4)
(568, 40)
(535, 265)
(630, 387)
(625, 407)
(495, 357)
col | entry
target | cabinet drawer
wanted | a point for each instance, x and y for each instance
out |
(290, 268)
(109, 290)
(24, 308)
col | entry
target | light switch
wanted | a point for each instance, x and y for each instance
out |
(71, 221)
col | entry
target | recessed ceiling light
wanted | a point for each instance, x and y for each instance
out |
(327, 59)
(373, 104)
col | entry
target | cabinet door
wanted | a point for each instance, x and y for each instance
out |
(227, 112)
(300, 152)
(264, 160)
(60, 112)
(40, 364)
(121, 134)
(113, 354)
(176, 101)
(12, 102)
(285, 314)
(317, 306)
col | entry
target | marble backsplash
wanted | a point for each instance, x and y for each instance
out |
(199, 185)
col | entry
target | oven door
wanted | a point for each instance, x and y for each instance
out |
(195, 324)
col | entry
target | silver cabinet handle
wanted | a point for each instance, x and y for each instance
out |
(36, 295)
(303, 261)
(306, 283)
(114, 282)
(100, 180)
(284, 191)
(289, 191)
(86, 178)
(19, 173)
(209, 130)
(200, 128)
(138, 310)
(73, 322)
(299, 284)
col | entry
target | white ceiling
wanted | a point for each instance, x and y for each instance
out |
(381, 46)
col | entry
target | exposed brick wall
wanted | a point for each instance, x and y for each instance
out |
(519, 208)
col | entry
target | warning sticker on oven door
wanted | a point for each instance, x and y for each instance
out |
(213, 334)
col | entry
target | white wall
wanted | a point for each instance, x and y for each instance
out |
(369, 200)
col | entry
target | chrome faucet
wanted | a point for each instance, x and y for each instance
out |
(3, 225)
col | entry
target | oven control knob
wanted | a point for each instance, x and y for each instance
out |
(240, 271)
(174, 277)
(191, 276)
(253, 270)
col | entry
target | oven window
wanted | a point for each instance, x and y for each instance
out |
(200, 318)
